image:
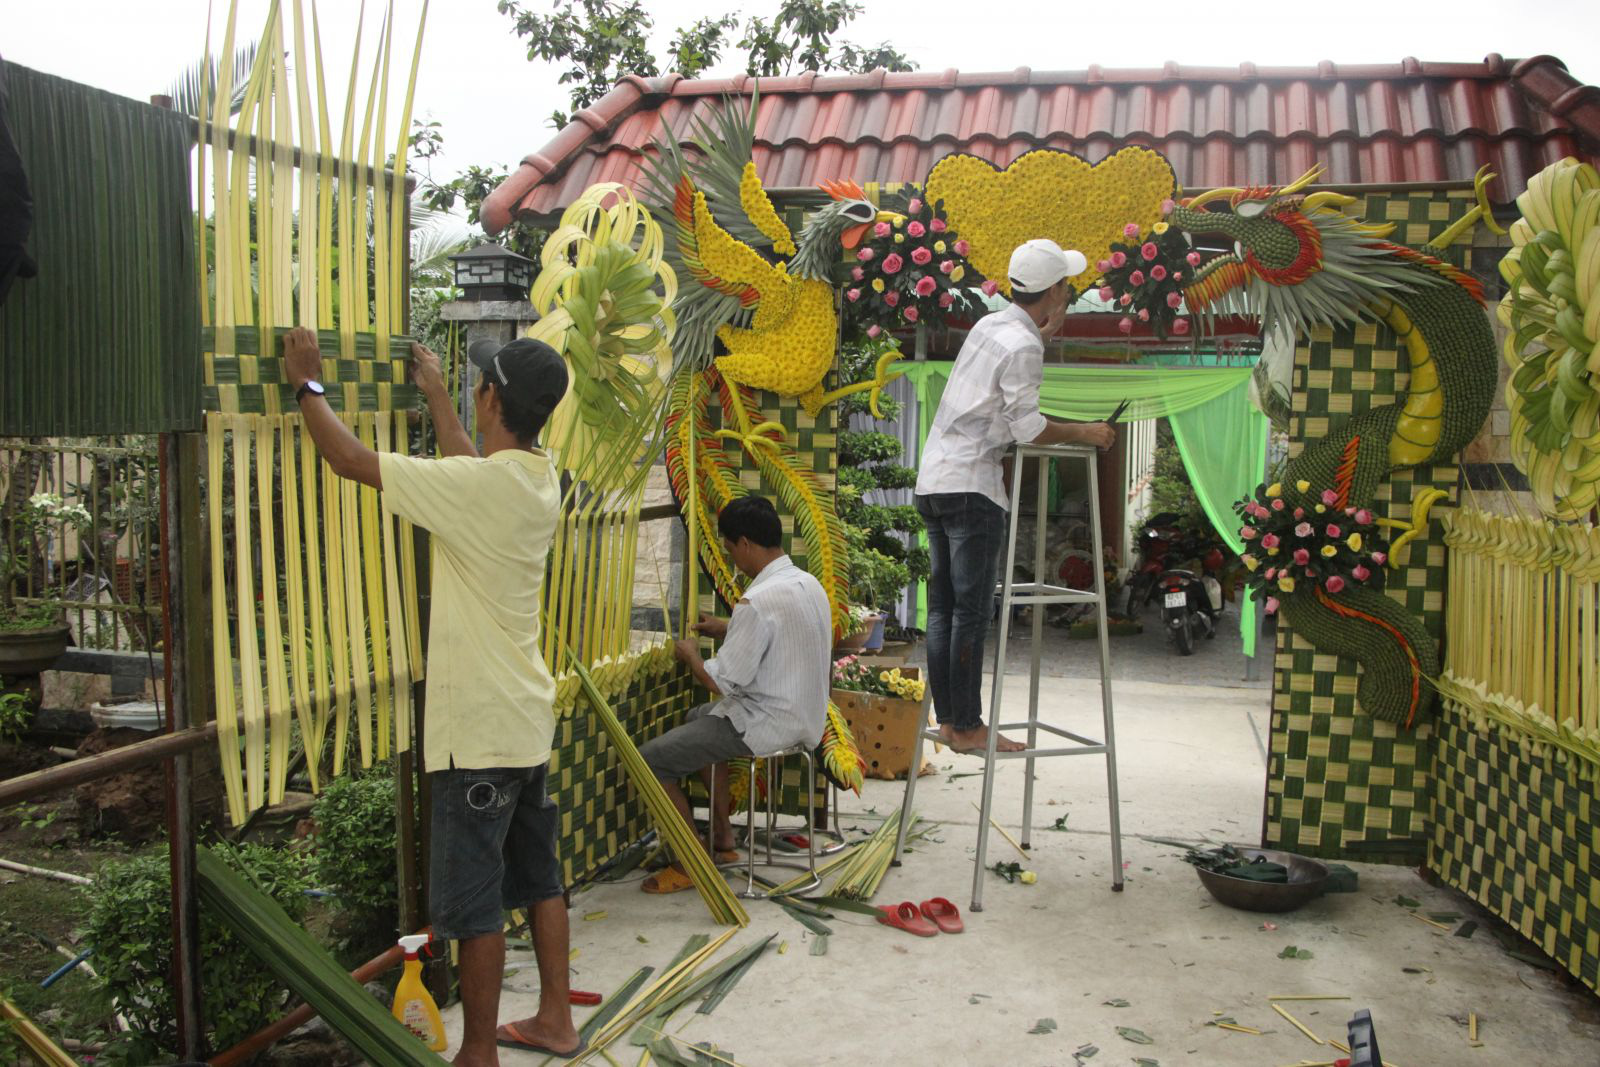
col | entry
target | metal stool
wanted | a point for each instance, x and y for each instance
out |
(774, 759)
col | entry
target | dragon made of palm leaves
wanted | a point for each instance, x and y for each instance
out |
(1299, 260)
(763, 316)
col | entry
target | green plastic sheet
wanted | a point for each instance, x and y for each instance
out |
(1220, 433)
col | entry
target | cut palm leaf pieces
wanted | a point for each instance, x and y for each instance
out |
(1044, 1026)
(1138, 1037)
(678, 835)
(305, 966)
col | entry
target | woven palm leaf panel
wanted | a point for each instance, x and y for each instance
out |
(1512, 825)
(1340, 783)
(105, 340)
(315, 616)
(600, 813)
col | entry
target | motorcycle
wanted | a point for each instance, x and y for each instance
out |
(1157, 537)
(1192, 602)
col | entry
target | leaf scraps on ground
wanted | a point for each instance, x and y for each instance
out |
(1044, 1026)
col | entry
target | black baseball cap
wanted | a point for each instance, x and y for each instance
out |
(528, 371)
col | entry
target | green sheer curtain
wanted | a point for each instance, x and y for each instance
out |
(1219, 432)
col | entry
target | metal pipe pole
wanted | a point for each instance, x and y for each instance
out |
(179, 466)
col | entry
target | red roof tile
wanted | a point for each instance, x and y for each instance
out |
(1372, 124)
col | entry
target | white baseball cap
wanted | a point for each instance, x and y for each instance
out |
(1038, 264)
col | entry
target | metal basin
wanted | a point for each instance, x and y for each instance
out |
(1306, 877)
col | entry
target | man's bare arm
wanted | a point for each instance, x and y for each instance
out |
(452, 436)
(342, 449)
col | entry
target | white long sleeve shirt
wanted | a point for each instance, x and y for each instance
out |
(990, 403)
(773, 668)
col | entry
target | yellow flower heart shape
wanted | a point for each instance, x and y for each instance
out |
(1049, 193)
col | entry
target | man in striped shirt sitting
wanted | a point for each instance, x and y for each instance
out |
(770, 677)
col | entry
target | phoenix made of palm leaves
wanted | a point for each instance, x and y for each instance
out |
(763, 316)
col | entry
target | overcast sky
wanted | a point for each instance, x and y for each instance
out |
(494, 104)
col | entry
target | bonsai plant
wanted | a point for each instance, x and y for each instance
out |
(32, 635)
(883, 559)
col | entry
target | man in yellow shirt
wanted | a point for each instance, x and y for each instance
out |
(490, 719)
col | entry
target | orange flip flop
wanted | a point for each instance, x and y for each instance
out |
(667, 880)
(944, 915)
(904, 916)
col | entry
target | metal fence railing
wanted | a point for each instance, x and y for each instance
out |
(106, 577)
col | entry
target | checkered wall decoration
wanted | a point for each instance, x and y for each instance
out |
(600, 813)
(1341, 784)
(1513, 827)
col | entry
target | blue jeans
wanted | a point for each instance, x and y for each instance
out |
(964, 535)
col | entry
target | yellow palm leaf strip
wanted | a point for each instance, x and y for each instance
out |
(245, 604)
(294, 578)
(308, 214)
(397, 186)
(311, 525)
(675, 832)
(266, 247)
(326, 175)
(400, 670)
(571, 583)
(282, 241)
(594, 550)
(675, 977)
(277, 709)
(222, 645)
(355, 614)
(691, 584)
(358, 316)
(382, 321)
(350, 199)
(372, 569)
(333, 530)
(630, 566)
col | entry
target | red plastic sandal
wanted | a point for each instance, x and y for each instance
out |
(905, 916)
(944, 915)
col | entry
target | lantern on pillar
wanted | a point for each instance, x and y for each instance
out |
(489, 272)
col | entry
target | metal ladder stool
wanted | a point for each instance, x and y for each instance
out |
(1038, 593)
(774, 762)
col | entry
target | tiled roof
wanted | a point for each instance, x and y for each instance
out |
(1376, 124)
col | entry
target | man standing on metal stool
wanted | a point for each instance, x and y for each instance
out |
(771, 675)
(990, 403)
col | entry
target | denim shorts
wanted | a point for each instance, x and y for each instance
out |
(702, 739)
(493, 848)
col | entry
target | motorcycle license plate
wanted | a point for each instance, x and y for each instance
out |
(1177, 600)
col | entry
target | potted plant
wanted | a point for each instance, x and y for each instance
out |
(884, 706)
(883, 554)
(32, 635)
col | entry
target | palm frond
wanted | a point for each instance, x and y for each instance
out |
(199, 82)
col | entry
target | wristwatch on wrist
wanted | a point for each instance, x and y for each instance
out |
(313, 387)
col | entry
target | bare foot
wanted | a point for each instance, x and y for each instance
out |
(947, 734)
(976, 740)
(473, 1059)
(559, 1037)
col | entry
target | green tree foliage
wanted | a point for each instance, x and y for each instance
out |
(602, 41)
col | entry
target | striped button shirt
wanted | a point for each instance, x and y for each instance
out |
(990, 403)
(774, 665)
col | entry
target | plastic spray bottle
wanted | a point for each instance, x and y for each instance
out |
(412, 1005)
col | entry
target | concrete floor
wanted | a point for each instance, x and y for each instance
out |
(1191, 767)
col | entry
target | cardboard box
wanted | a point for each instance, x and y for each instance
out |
(885, 728)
